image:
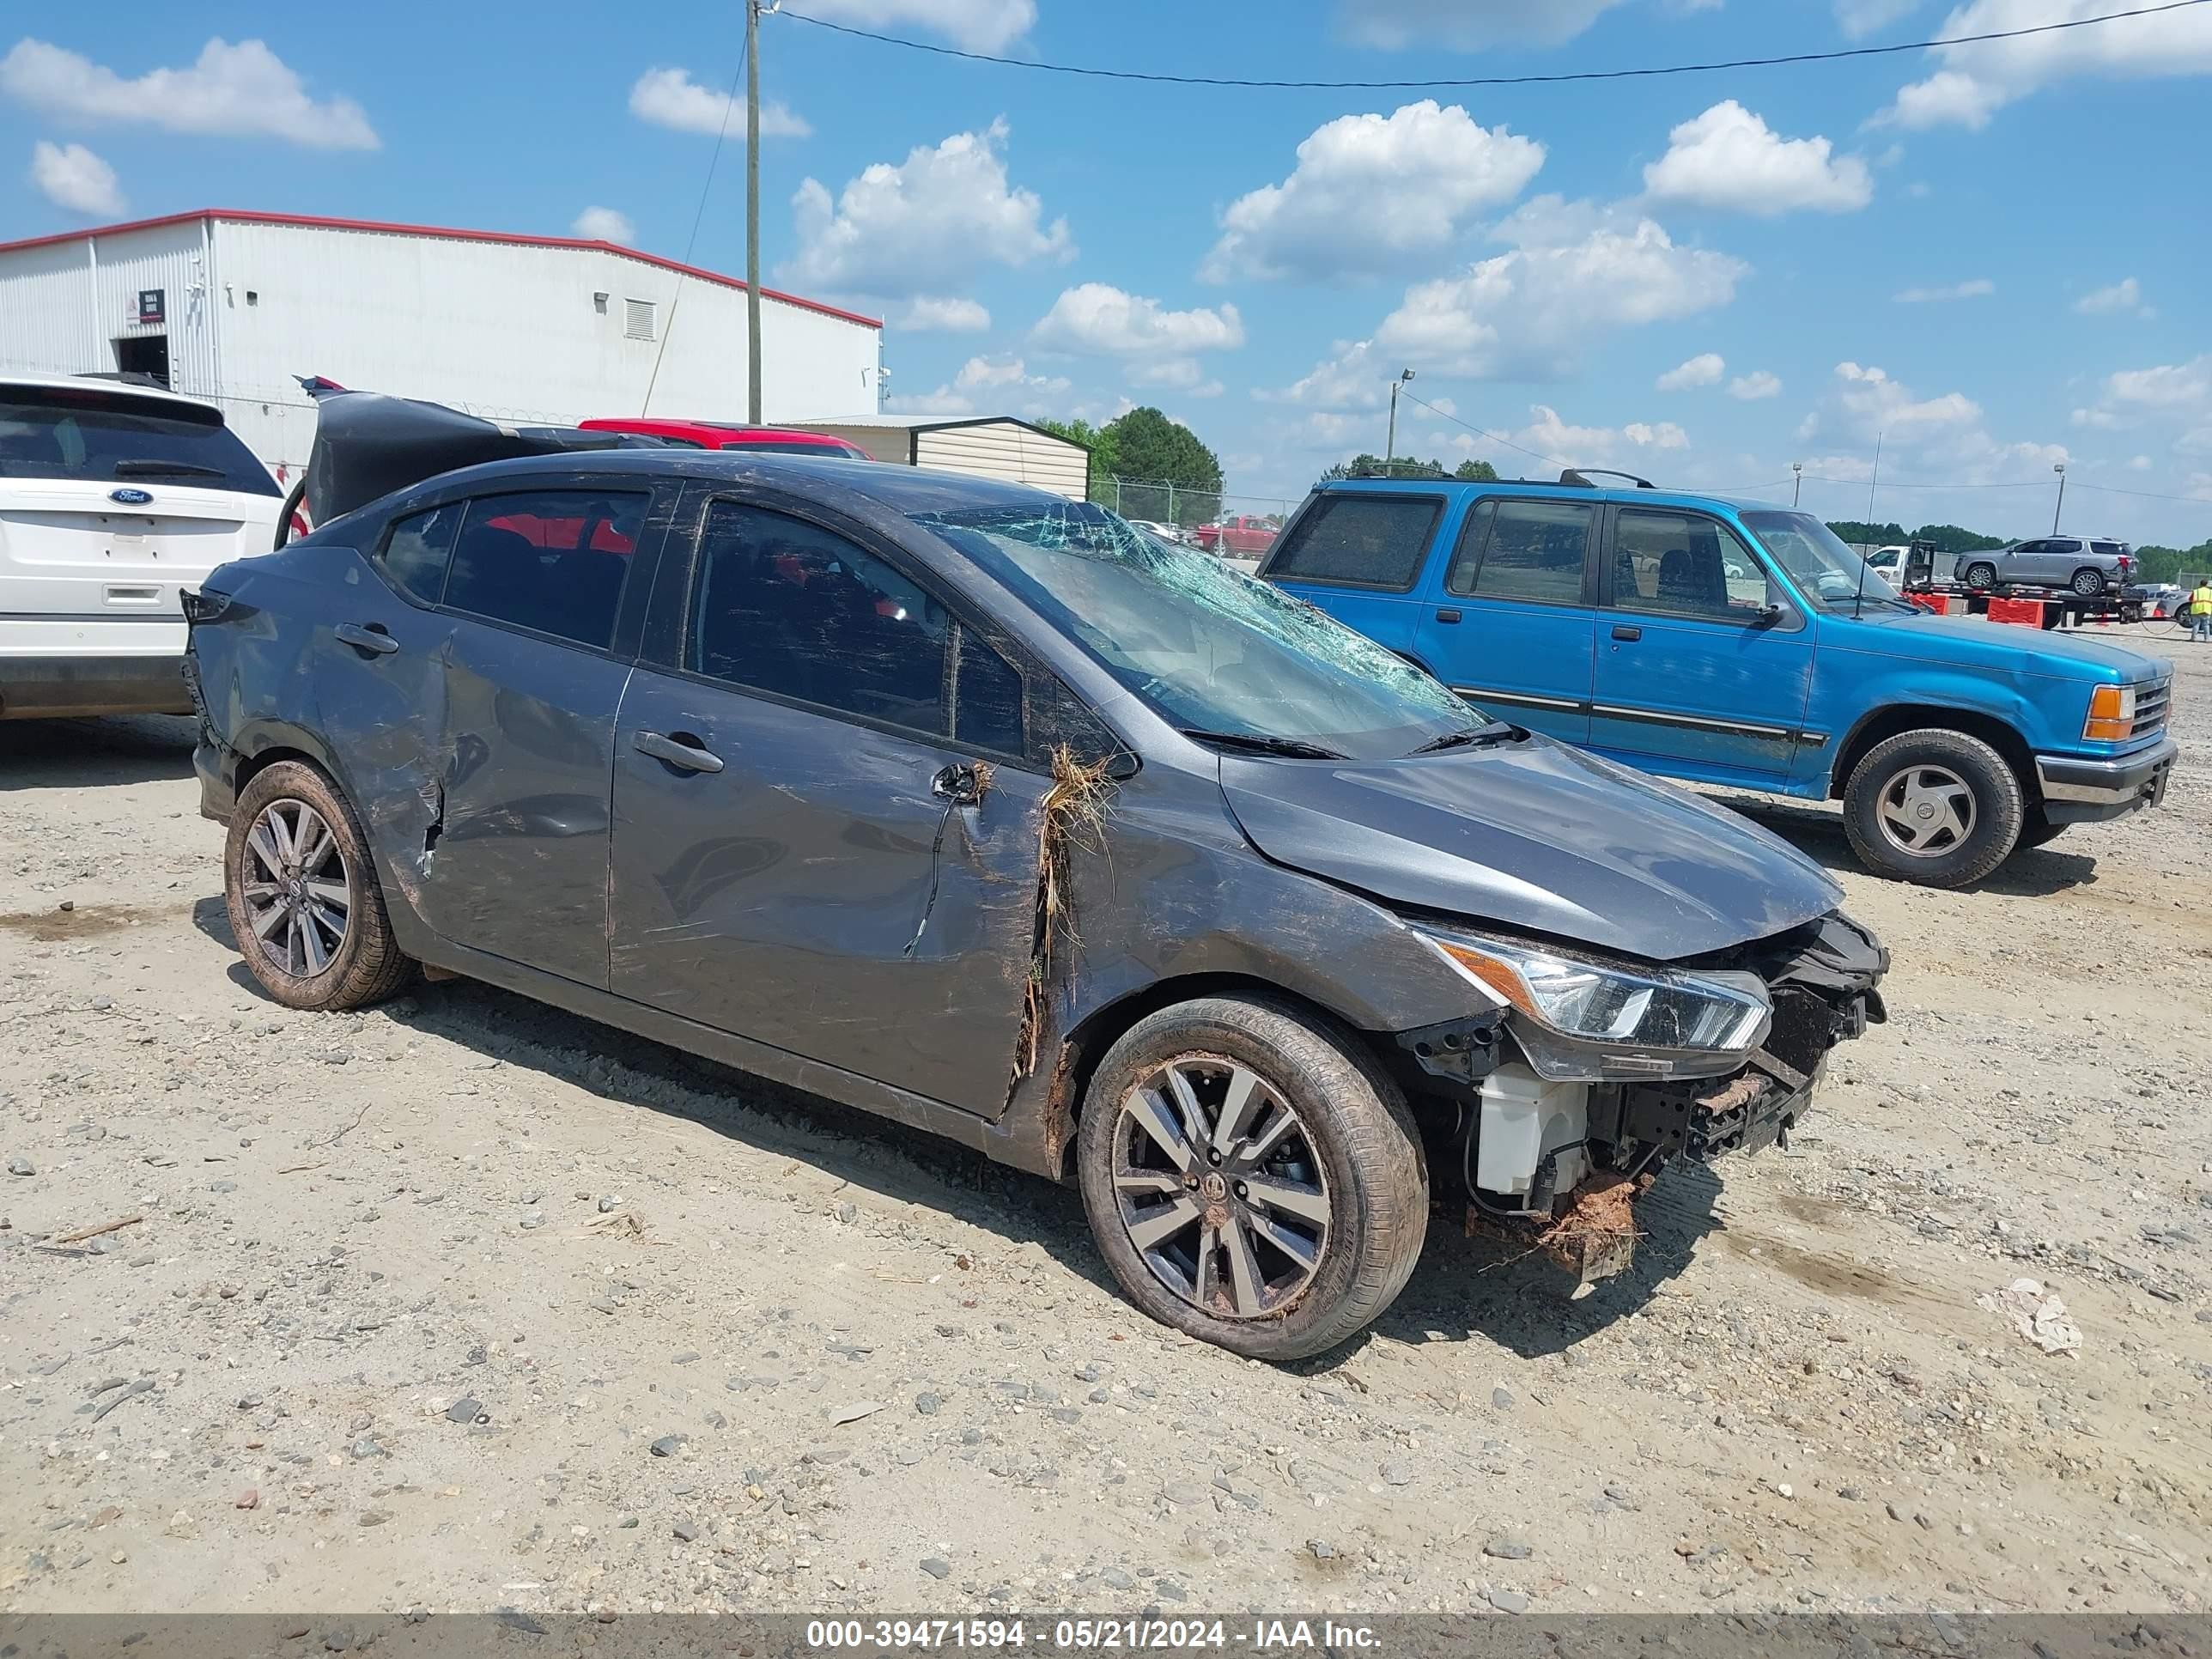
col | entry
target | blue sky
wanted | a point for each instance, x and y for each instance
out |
(1994, 257)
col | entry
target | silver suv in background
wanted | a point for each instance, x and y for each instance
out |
(2088, 567)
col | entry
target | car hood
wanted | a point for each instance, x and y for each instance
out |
(1534, 836)
(1927, 638)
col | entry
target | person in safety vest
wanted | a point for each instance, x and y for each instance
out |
(2200, 611)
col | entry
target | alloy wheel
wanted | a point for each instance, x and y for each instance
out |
(1926, 811)
(1220, 1186)
(297, 889)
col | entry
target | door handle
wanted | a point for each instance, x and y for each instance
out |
(682, 751)
(1624, 631)
(1447, 615)
(369, 637)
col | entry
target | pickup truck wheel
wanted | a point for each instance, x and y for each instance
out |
(1980, 578)
(305, 907)
(1936, 808)
(2089, 583)
(1253, 1177)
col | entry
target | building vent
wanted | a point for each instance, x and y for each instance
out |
(637, 319)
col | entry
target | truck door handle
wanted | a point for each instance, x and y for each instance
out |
(1624, 631)
(1447, 615)
(684, 752)
(369, 637)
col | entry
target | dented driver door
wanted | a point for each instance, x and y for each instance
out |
(824, 832)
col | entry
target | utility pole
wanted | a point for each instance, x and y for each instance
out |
(752, 213)
(2060, 468)
(1797, 469)
(1390, 443)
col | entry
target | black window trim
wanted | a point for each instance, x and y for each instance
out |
(1437, 504)
(661, 496)
(1591, 538)
(668, 624)
(1792, 619)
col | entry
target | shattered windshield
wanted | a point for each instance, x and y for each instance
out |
(1212, 649)
(1818, 561)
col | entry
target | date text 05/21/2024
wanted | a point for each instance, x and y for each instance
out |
(1262, 1635)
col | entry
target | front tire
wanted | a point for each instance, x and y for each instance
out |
(2037, 830)
(1933, 807)
(1253, 1177)
(305, 907)
(1980, 578)
(2089, 583)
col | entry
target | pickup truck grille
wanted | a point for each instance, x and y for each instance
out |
(2150, 707)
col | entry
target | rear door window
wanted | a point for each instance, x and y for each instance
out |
(1531, 551)
(1359, 540)
(418, 548)
(2108, 549)
(94, 435)
(553, 561)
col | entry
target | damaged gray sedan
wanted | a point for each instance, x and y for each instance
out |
(972, 806)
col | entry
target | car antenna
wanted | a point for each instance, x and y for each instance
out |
(1858, 600)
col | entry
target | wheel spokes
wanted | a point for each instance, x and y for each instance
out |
(295, 888)
(1163, 1223)
(1292, 1197)
(1154, 1118)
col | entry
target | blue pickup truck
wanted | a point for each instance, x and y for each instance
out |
(1736, 642)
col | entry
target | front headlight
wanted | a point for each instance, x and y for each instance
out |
(1652, 1022)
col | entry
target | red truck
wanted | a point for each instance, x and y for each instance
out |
(1243, 532)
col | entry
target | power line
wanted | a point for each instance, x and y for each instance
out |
(729, 103)
(2148, 495)
(1552, 460)
(1838, 55)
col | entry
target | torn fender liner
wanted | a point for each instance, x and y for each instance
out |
(367, 445)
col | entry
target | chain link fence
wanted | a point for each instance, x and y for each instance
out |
(1183, 508)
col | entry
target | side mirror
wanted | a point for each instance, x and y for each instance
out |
(1770, 614)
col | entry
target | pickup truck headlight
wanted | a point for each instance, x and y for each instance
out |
(2111, 714)
(1644, 1019)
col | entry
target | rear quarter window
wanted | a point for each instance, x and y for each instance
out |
(93, 435)
(1361, 541)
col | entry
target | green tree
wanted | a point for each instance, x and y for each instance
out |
(1150, 453)
(1475, 473)
(1105, 463)
(1864, 534)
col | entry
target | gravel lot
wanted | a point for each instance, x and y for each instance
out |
(464, 1303)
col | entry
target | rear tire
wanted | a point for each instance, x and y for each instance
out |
(305, 907)
(1934, 807)
(1275, 1259)
(2089, 583)
(1980, 578)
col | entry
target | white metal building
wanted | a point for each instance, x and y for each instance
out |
(987, 445)
(230, 305)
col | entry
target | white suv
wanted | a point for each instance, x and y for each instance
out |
(112, 497)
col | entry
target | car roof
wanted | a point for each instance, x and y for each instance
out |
(1552, 489)
(102, 383)
(904, 489)
(649, 424)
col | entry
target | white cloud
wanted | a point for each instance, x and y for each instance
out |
(234, 90)
(932, 221)
(2123, 296)
(1002, 384)
(1587, 446)
(977, 25)
(1975, 81)
(2170, 386)
(1353, 376)
(671, 98)
(1096, 319)
(1703, 369)
(1859, 18)
(1729, 159)
(605, 224)
(1463, 25)
(1574, 271)
(1979, 288)
(929, 314)
(2139, 463)
(70, 176)
(1752, 387)
(1879, 404)
(2097, 419)
(1369, 190)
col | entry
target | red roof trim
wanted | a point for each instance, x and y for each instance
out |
(509, 238)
